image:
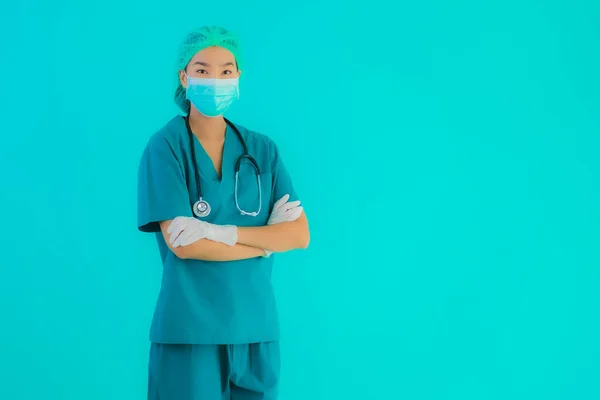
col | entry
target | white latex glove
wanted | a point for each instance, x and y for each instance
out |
(187, 230)
(283, 211)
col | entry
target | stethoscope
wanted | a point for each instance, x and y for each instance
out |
(202, 208)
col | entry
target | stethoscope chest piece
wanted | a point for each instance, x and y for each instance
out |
(201, 208)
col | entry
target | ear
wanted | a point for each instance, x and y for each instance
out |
(239, 73)
(183, 78)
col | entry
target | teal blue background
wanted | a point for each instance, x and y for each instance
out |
(446, 154)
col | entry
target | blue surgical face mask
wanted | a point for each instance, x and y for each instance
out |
(212, 97)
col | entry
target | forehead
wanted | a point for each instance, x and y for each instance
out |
(213, 55)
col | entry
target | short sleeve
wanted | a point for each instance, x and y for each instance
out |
(162, 189)
(282, 182)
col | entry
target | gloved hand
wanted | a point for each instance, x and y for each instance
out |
(283, 211)
(187, 230)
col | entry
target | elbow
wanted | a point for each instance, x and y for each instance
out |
(304, 237)
(297, 242)
(304, 241)
(304, 244)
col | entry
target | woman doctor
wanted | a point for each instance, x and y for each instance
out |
(217, 217)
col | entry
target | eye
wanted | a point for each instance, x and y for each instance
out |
(202, 71)
(227, 72)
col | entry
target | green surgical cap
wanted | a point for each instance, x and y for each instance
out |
(195, 41)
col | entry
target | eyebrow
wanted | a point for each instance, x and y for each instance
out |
(227, 64)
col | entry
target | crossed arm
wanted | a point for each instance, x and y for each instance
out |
(252, 242)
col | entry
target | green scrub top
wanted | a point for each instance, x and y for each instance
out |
(209, 302)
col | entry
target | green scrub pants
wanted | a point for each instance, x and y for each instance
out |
(213, 372)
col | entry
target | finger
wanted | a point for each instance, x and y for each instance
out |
(183, 224)
(176, 225)
(176, 240)
(175, 234)
(196, 233)
(291, 204)
(182, 239)
(275, 221)
(295, 214)
(185, 241)
(182, 234)
(170, 228)
(285, 213)
(173, 241)
(287, 216)
(281, 201)
(193, 235)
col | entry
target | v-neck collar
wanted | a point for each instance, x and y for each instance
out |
(206, 167)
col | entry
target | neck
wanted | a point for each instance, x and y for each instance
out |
(206, 128)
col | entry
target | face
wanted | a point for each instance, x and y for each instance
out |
(212, 62)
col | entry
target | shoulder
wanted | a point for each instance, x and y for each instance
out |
(258, 142)
(253, 137)
(169, 136)
(172, 132)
